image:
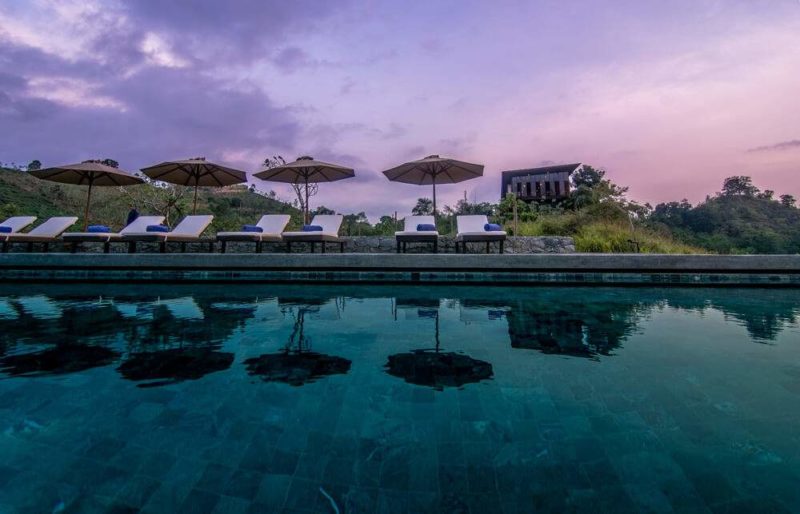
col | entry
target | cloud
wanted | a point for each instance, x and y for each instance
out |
(785, 145)
(235, 32)
(293, 58)
(63, 112)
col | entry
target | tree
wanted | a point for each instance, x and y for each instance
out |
(386, 226)
(110, 162)
(739, 185)
(525, 210)
(766, 194)
(591, 188)
(424, 207)
(787, 200)
(168, 200)
(588, 176)
(34, 165)
(322, 210)
(463, 207)
(354, 223)
(302, 192)
(675, 214)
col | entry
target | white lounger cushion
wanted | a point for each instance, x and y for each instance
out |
(47, 231)
(330, 224)
(271, 224)
(472, 225)
(189, 229)
(410, 226)
(17, 223)
(140, 224)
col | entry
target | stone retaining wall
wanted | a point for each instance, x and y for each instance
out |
(366, 244)
(387, 244)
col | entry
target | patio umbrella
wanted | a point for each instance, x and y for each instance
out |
(91, 173)
(434, 170)
(195, 172)
(305, 170)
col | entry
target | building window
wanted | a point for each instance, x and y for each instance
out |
(558, 188)
(566, 188)
(519, 188)
(527, 188)
(547, 188)
(538, 188)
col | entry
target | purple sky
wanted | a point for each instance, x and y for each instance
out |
(669, 96)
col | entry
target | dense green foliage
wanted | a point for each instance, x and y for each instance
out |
(739, 219)
(601, 227)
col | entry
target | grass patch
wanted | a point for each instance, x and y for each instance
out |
(604, 235)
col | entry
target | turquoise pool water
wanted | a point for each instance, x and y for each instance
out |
(404, 399)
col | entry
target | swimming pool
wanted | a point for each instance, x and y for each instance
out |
(199, 398)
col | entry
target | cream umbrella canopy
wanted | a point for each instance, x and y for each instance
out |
(434, 170)
(195, 172)
(90, 173)
(306, 170)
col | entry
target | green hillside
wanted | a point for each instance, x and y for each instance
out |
(232, 207)
(739, 219)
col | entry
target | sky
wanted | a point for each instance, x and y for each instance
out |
(669, 97)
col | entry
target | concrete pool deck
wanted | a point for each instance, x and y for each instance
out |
(507, 269)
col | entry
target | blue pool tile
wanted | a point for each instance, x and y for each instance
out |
(272, 492)
(199, 502)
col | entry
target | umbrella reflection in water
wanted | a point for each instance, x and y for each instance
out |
(297, 364)
(432, 367)
(199, 331)
(38, 320)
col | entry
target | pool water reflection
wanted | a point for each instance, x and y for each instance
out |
(398, 399)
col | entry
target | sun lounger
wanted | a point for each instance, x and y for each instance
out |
(472, 229)
(188, 230)
(140, 224)
(410, 234)
(271, 226)
(329, 223)
(14, 224)
(46, 233)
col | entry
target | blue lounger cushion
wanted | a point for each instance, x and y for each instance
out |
(312, 228)
(252, 228)
(426, 227)
(99, 229)
(492, 227)
(157, 228)
(6, 230)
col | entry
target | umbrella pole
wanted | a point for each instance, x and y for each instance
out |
(434, 194)
(86, 209)
(305, 214)
(194, 209)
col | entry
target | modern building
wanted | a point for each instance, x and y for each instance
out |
(545, 184)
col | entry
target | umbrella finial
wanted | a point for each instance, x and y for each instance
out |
(432, 157)
(305, 158)
(197, 159)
